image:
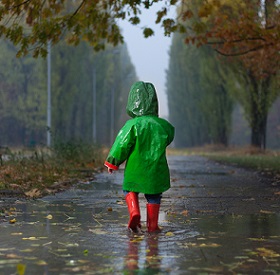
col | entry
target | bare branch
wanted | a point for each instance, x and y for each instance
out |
(243, 52)
(20, 4)
(78, 9)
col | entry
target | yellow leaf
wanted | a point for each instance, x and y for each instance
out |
(21, 269)
(13, 221)
(31, 239)
(49, 217)
(13, 256)
(257, 239)
(34, 193)
(169, 234)
(209, 245)
(264, 252)
(266, 212)
(41, 262)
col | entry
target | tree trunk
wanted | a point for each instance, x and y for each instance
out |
(258, 131)
(259, 111)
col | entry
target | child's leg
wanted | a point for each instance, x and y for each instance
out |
(153, 206)
(133, 209)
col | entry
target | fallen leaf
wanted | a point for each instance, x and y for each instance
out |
(185, 212)
(257, 239)
(98, 231)
(34, 193)
(13, 221)
(266, 212)
(41, 262)
(13, 256)
(49, 217)
(31, 238)
(21, 269)
(169, 234)
(209, 245)
(69, 244)
(269, 253)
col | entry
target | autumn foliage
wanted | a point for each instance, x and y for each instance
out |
(249, 30)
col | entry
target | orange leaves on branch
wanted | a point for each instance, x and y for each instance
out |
(238, 29)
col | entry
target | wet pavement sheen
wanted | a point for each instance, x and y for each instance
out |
(215, 219)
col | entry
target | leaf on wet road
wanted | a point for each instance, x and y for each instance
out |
(266, 212)
(31, 238)
(12, 221)
(27, 250)
(34, 193)
(185, 213)
(34, 238)
(69, 244)
(169, 234)
(41, 262)
(269, 253)
(21, 269)
(49, 217)
(257, 239)
(209, 245)
(98, 231)
(13, 256)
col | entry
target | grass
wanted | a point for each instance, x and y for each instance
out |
(41, 171)
(265, 161)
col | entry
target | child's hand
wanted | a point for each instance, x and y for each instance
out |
(110, 171)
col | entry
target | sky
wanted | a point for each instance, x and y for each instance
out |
(149, 55)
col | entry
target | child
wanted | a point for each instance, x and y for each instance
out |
(142, 143)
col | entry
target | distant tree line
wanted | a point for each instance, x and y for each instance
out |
(204, 82)
(79, 76)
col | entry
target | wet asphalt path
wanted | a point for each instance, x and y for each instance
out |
(215, 219)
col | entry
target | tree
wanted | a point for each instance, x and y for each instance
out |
(22, 107)
(248, 33)
(32, 23)
(23, 94)
(247, 29)
(198, 95)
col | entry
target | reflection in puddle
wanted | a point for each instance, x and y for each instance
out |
(87, 234)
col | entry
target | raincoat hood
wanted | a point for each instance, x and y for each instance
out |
(142, 100)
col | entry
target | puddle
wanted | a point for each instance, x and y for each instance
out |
(73, 237)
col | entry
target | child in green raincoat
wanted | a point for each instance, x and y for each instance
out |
(142, 143)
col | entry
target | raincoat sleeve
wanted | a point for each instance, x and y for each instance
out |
(122, 146)
(171, 133)
(169, 128)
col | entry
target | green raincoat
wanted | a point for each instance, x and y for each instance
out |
(142, 142)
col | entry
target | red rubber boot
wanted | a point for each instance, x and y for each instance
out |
(152, 217)
(134, 211)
